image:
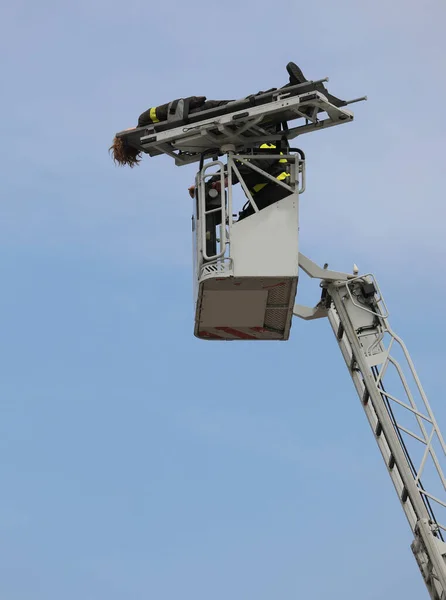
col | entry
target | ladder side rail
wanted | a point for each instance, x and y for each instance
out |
(359, 365)
(421, 391)
(423, 420)
(429, 550)
(379, 423)
(382, 357)
(382, 313)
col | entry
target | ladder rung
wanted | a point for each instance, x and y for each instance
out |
(353, 364)
(404, 495)
(365, 396)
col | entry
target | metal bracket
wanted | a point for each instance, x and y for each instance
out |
(309, 314)
(316, 272)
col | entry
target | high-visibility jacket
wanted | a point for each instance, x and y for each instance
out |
(282, 176)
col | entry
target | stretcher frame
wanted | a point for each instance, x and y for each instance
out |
(242, 124)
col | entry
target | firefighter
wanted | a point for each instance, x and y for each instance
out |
(263, 191)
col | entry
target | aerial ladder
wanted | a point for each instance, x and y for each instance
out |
(395, 404)
(246, 274)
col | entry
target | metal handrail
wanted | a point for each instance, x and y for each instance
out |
(221, 209)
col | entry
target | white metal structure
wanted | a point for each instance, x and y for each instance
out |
(396, 407)
(186, 137)
(245, 281)
(244, 128)
(245, 270)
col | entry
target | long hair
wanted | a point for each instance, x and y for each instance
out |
(123, 154)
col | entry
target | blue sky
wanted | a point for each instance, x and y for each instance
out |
(136, 461)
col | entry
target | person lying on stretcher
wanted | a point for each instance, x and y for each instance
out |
(124, 154)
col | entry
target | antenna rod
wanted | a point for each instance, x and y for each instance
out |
(357, 100)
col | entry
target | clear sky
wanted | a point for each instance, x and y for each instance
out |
(137, 462)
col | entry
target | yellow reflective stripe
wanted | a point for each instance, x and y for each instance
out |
(280, 177)
(281, 160)
(258, 187)
(153, 116)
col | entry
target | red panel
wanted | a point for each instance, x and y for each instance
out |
(209, 335)
(240, 334)
(269, 287)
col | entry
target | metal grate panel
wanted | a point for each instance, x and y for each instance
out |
(276, 318)
(279, 294)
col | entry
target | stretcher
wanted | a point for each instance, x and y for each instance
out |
(279, 114)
